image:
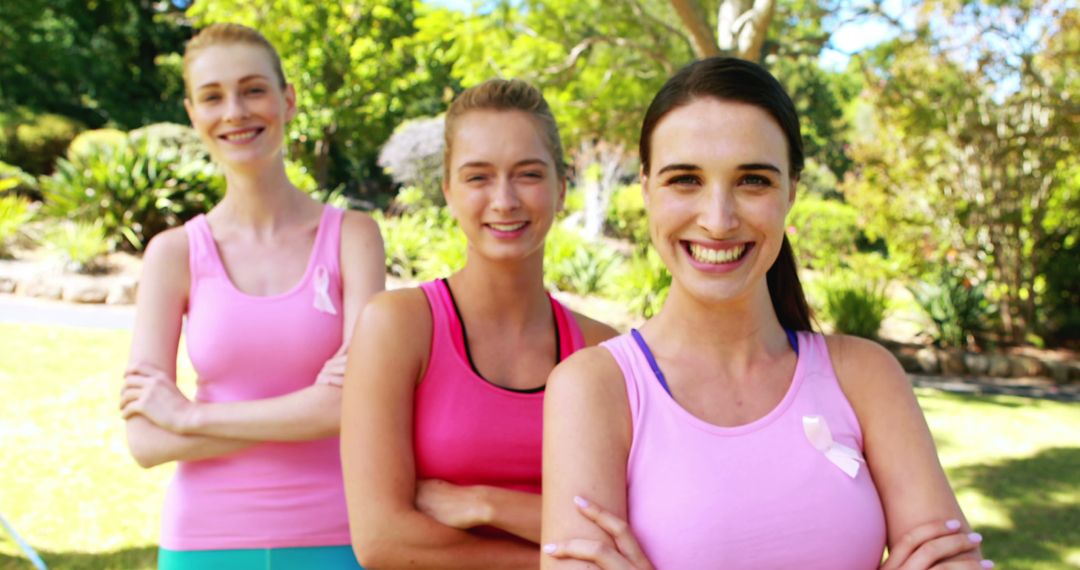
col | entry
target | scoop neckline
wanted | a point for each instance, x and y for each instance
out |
(769, 417)
(308, 270)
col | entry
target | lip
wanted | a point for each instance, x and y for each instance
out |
(223, 137)
(727, 267)
(504, 234)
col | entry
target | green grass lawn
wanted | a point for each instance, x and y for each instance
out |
(70, 488)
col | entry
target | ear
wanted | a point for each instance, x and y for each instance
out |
(792, 192)
(290, 102)
(190, 108)
(644, 186)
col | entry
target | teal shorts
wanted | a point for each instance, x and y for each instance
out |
(312, 557)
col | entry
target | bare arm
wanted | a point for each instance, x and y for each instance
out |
(310, 413)
(899, 449)
(587, 435)
(388, 530)
(159, 312)
(470, 506)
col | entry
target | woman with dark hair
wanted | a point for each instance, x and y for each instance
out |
(725, 432)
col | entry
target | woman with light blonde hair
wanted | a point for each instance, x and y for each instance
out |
(269, 282)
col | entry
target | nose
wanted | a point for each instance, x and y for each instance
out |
(718, 214)
(506, 196)
(235, 109)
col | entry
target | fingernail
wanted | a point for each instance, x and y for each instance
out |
(580, 502)
(987, 564)
(975, 537)
(549, 548)
(952, 524)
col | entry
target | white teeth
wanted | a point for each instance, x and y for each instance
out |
(710, 255)
(243, 136)
(508, 227)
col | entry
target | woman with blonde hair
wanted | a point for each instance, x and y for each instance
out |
(269, 282)
(441, 419)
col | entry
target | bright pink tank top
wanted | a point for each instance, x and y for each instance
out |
(467, 430)
(755, 496)
(244, 347)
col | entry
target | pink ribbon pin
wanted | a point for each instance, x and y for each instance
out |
(322, 291)
(844, 457)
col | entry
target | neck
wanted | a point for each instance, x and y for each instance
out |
(731, 334)
(262, 197)
(510, 292)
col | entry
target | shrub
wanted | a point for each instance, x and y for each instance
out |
(957, 305)
(626, 215)
(159, 177)
(80, 244)
(14, 212)
(642, 283)
(574, 264)
(822, 232)
(414, 156)
(34, 142)
(856, 307)
(421, 243)
(14, 180)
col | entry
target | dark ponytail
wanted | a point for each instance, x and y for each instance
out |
(786, 292)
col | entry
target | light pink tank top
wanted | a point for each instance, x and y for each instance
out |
(755, 496)
(245, 347)
(467, 430)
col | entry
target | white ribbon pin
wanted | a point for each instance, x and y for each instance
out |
(322, 291)
(844, 457)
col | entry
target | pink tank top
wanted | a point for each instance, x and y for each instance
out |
(760, 495)
(244, 347)
(467, 430)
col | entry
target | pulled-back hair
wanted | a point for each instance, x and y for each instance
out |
(229, 34)
(505, 95)
(732, 79)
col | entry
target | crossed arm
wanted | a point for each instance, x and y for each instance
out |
(164, 425)
(395, 520)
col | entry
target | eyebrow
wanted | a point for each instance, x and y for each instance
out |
(696, 168)
(241, 80)
(520, 163)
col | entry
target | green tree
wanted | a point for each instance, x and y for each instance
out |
(969, 128)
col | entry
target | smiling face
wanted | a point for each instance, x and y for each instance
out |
(502, 184)
(237, 105)
(718, 189)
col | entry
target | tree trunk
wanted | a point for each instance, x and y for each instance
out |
(741, 27)
(693, 18)
(599, 165)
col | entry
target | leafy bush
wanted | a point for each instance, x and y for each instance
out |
(80, 244)
(14, 212)
(822, 232)
(414, 156)
(159, 177)
(421, 244)
(1061, 297)
(574, 264)
(626, 215)
(34, 142)
(642, 283)
(14, 180)
(957, 305)
(856, 307)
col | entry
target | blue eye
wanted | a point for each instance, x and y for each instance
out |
(684, 180)
(756, 180)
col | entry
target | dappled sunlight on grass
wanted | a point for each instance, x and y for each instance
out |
(1014, 463)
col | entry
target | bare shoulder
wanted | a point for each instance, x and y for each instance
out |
(166, 256)
(594, 331)
(398, 320)
(590, 372)
(868, 373)
(359, 225)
